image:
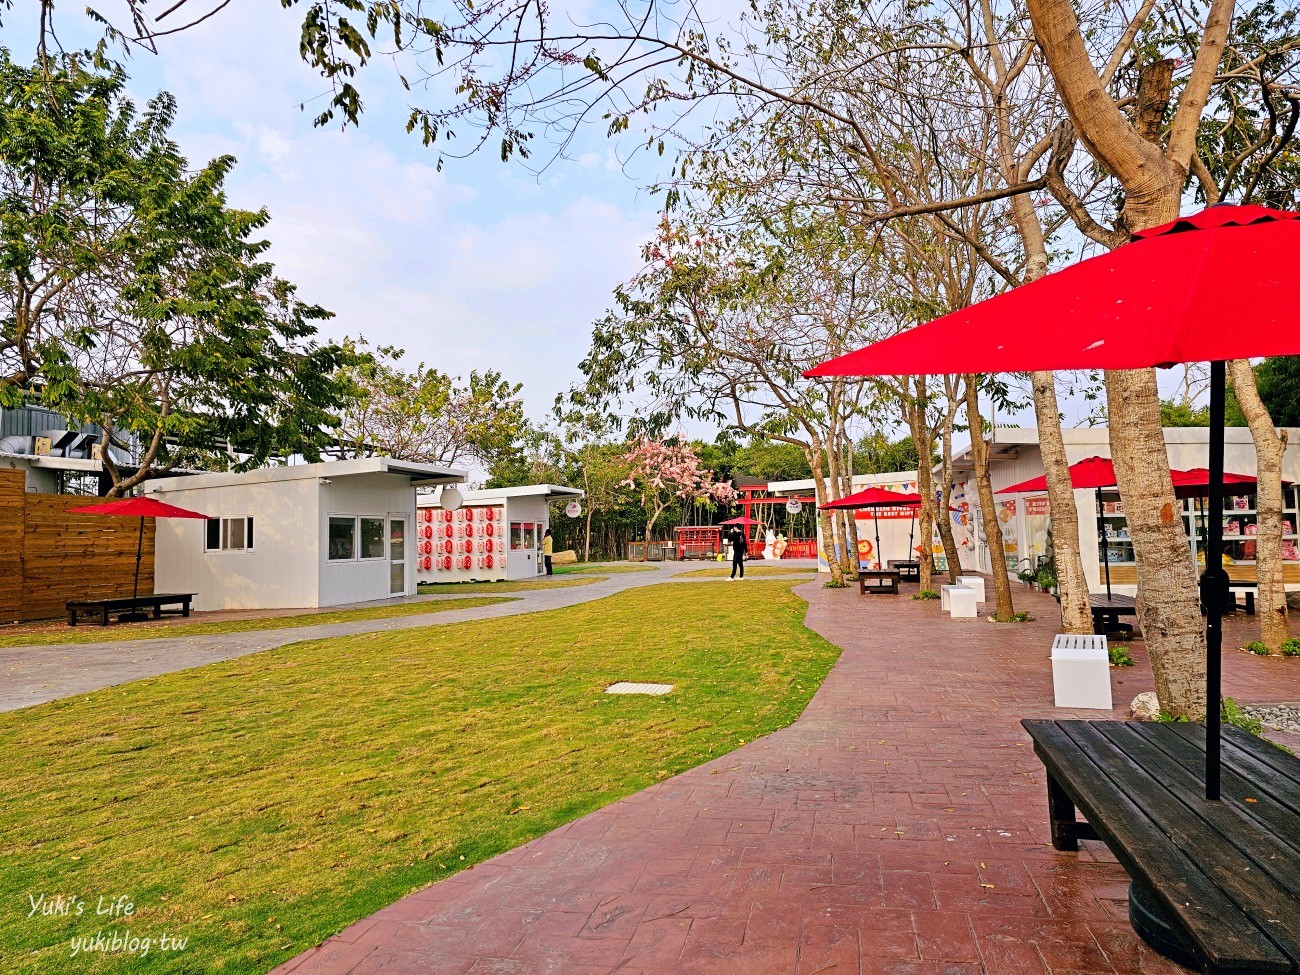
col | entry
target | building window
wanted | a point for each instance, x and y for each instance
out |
(372, 538)
(228, 535)
(524, 535)
(343, 539)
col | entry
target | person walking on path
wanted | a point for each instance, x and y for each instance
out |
(548, 550)
(738, 549)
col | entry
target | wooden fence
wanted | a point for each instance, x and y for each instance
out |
(48, 556)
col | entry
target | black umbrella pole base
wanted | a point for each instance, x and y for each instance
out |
(133, 617)
(1154, 926)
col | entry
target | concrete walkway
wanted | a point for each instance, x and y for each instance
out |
(34, 675)
(899, 826)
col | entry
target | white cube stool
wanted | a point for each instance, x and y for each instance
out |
(1081, 671)
(959, 601)
(973, 582)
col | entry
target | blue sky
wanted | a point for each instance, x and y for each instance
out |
(484, 265)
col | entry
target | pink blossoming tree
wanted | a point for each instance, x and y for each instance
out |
(666, 472)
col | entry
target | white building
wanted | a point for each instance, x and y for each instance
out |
(495, 534)
(1014, 456)
(897, 527)
(306, 535)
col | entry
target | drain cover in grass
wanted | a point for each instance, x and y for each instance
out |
(627, 687)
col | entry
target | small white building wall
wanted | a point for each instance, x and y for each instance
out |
(528, 563)
(281, 570)
(364, 496)
(1186, 447)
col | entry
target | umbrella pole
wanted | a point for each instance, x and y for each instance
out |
(1105, 542)
(139, 550)
(875, 518)
(1214, 582)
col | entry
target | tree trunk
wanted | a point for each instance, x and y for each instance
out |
(1076, 610)
(837, 518)
(850, 517)
(950, 551)
(979, 454)
(1168, 600)
(1153, 180)
(1270, 445)
(914, 407)
(816, 461)
(926, 520)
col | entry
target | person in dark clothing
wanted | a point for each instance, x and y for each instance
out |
(738, 548)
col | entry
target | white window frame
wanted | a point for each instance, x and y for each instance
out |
(383, 539)
(356, 537)
(223, 533)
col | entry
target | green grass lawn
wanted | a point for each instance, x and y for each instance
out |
(513, 585)
(94, 633)
(256, 806)
(786, 571)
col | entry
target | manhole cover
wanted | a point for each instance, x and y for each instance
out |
(627, 687)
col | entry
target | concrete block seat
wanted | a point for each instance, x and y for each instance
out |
(973, 582)
(1081, 671)
(958, 601)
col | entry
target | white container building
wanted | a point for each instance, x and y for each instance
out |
(495, 534)
(301, 536)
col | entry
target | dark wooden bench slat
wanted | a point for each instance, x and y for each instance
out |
(1225, 937)
(1266, 883)
(1266, 753)
(1258, 900)
(1242, 776)
(1266, 762)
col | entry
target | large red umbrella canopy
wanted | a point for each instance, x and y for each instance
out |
(742, 520)
(874, 497)
(1195, 483)
(1091, 472)
(137, 508)
(1099, 472)
(1218, 285)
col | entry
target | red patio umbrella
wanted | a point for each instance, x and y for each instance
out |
(1091, 472)
(876, 498)
(1195, 483)
(741, 520)
(1218, 285)
(141, 508)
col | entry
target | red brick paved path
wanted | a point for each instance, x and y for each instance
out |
(899, 826)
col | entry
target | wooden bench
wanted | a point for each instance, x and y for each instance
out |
(1249, 588)
(1215, 885)
(877, 580)
(908, 570)
(104, 607)
(1106, 611)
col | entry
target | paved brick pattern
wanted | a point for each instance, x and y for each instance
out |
(898, 828)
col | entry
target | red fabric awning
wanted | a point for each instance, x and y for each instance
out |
(1099, 472)
(874, 497)
(137, 508)
(1091, 472)
(1218, 285)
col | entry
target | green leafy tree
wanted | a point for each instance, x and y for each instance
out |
(1278, 382)
(425, 415)
(132, 297)
(1173, 414)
